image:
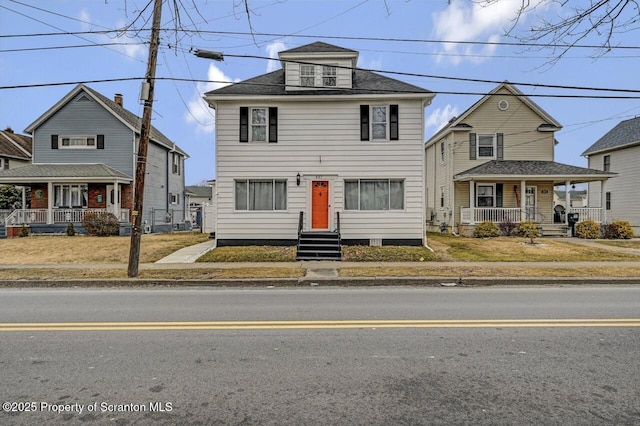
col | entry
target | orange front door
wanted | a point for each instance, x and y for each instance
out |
(320, 204)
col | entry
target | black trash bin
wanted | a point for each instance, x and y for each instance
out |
(573, 219)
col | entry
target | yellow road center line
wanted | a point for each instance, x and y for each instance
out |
(319, 324)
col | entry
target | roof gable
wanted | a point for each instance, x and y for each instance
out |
(318, 47)
(459, 122)
(125, 116)
(625, 133)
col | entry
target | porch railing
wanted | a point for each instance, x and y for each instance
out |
(500, 215)
(29, 216)
(587, 213)
(488, 214)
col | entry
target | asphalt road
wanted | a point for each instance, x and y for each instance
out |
(366, 356)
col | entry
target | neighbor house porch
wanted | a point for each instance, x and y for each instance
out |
(489, 193)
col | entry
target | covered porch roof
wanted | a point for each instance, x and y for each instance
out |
(518, 170)
(63, 173)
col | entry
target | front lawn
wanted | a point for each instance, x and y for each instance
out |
(513, 249)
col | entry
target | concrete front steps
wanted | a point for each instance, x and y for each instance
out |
(554, 230)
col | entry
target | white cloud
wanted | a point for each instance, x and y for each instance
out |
(441, 116)
(134, 51)
(199, 112)
(475, 21)
(272, 51)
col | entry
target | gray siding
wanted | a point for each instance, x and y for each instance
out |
(84, 117)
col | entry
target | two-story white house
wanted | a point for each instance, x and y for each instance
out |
(320, 146)
(618, 151)
(495, 162)
(84, 159)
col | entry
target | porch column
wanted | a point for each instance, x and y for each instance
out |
(50, 197)
(523, 204)
(603, 201)
(567, 202)
(24, 197)
(116, 200)
(472, 201)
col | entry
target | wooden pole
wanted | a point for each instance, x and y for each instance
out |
(145, 130)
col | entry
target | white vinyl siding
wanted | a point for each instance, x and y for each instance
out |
(321, 141)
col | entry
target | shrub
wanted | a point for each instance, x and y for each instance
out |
(71, 230)
(24, 231)
(486, 230)
(101, 224)
(617, 230)
(528, 230)
(588, 229)
(507, 228)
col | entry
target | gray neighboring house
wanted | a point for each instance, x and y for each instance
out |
(84, 151)
(618, 151)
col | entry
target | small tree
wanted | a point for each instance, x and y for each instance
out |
(528, 230)
(24, 232)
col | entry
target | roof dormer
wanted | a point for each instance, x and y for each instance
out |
(318, 66)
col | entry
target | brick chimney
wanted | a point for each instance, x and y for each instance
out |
(117, 98)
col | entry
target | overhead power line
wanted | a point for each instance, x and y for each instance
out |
(329, 37)
(634, 94)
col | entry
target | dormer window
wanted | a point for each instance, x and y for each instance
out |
(329, 76)
(307, 76)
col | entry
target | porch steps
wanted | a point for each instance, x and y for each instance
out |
(319, 246)
(555, 230)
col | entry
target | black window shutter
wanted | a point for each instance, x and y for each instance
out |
(472, 146)
(273, 124)
(244, 124)
(393, 122)
(54, 141)
(499, 192)
(6, 163)
(500, 146)
(364, 122)
(100, 142)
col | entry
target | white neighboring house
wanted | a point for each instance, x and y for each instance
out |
(618, 151)
(202, 201)
(320, 145)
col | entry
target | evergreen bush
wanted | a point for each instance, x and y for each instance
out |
(588, 229)
(486, 230)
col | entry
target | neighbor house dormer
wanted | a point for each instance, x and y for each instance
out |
(319, 66)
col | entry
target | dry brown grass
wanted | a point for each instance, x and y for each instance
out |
(632, 244)
(509, 249)
(172, 274)
(45, 249)
(487, 271)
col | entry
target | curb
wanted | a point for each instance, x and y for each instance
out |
(324, 282)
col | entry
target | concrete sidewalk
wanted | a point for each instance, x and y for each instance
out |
(189, 254)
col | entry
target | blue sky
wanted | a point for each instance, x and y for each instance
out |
(180, 113)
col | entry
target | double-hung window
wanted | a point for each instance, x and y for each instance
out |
(606, 163)
(261, 194)
(329, 76)
(374, 194)
(175, 168)
(442, 152)
(259, 124)
(307, 76)
(379, 122)
(486, 146)
(485, 196)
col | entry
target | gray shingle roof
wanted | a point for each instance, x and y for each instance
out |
(625, 133)
(364, 82)
(64, 171)
(530, 168)
(200, 191)
(320, 47)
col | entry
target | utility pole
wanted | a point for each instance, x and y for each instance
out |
(145, 131)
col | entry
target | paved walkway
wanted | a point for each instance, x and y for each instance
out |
(189, 254)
